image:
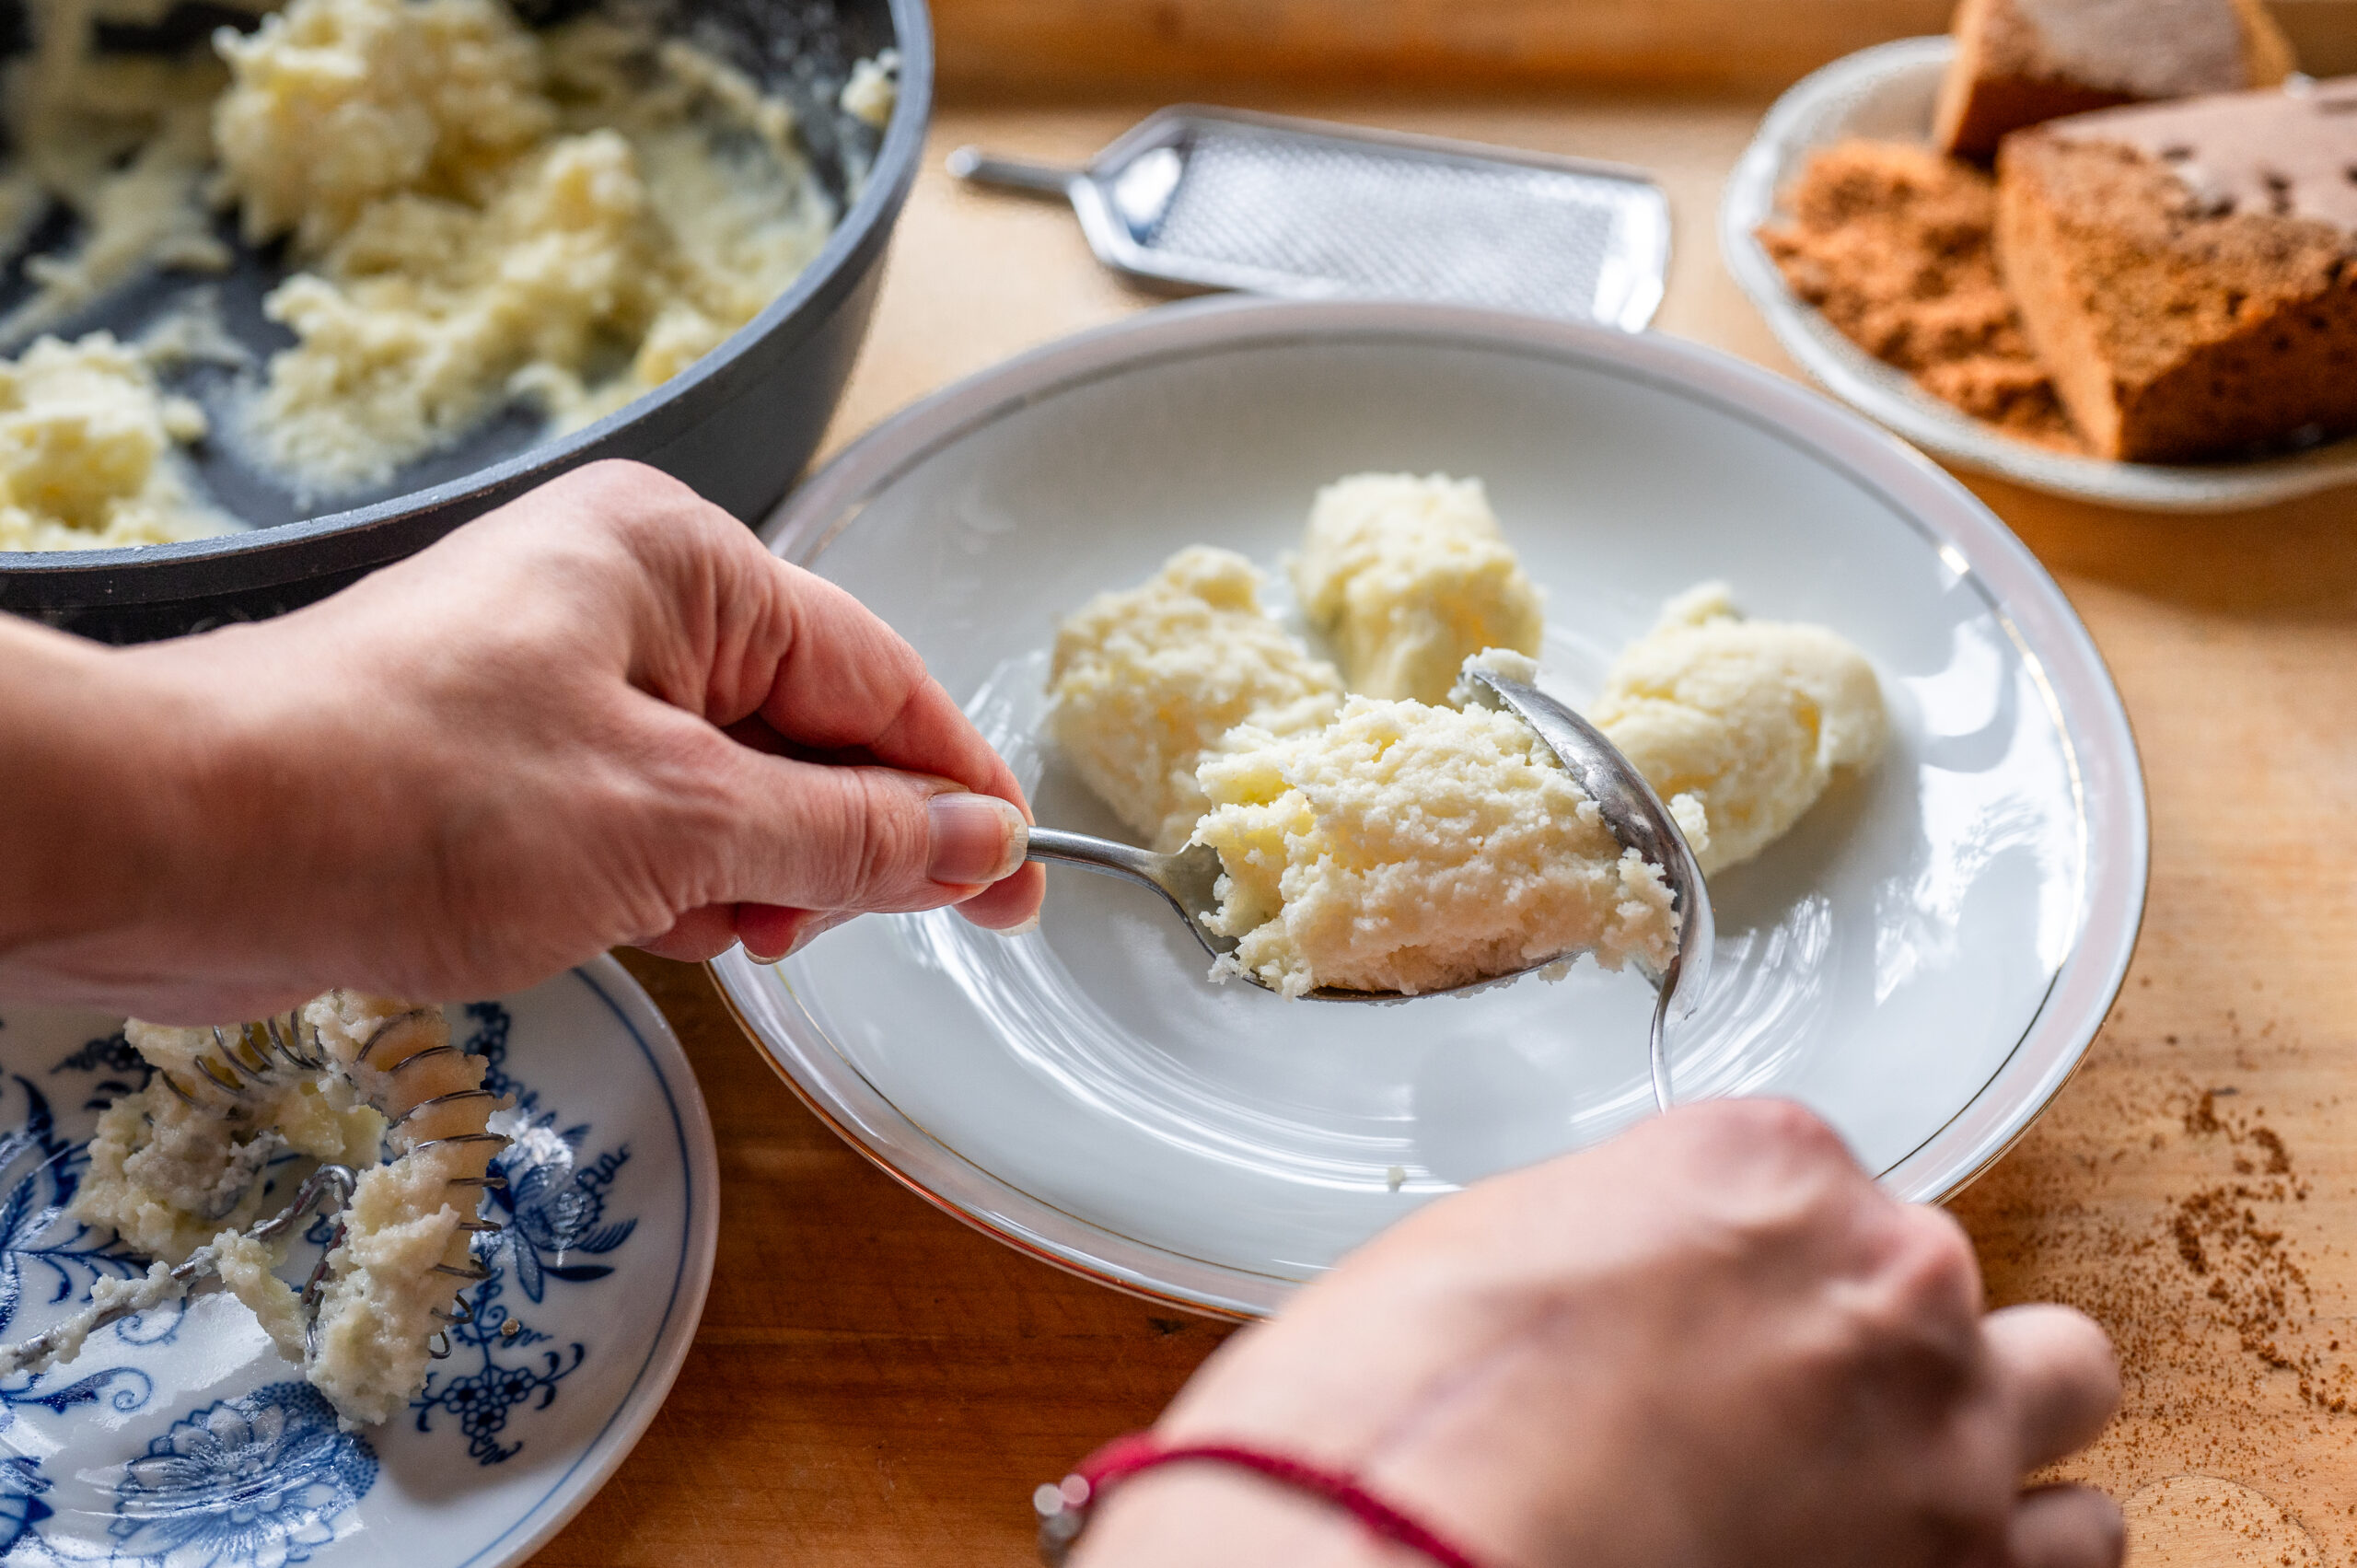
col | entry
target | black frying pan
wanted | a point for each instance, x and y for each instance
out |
(739, 425)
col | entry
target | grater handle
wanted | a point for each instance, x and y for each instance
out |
(980, 168)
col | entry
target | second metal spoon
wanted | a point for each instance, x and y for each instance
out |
(1188, 879)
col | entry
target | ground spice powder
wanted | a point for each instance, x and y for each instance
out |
(1892, 244)
(2175, 1214)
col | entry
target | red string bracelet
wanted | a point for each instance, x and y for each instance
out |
(1065, 1507)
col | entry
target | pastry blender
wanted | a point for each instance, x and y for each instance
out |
(250, 1056)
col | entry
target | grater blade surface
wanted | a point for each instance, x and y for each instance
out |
(1303, 210)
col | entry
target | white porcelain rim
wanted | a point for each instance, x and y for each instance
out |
(587, 1475)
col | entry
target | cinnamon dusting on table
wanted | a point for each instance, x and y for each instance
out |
(2224, 1256)
(1892, 244)
(2254, 1276)
(2176, 1214)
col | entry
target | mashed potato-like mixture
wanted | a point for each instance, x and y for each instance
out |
(482, 214)
(1147, 680)
(64, 1341)
(406, 1248)
(119, 139)
(1686, 812)
(1407, 577)
(1411, 848)
(88, 451)
(1749, 719)
(377, 1314)
(382, 98)
(873, 89)
(173, 1173)
(1413, 839)
(492, 213)
(169, 1175)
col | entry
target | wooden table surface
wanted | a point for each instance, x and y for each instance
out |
(874, 1384)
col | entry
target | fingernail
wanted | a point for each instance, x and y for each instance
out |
(1025, 929)
(974, 838)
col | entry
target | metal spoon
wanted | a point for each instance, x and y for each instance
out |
(1186, 880)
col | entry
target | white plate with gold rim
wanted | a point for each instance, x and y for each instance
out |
(1923, 959)
(1885, 94)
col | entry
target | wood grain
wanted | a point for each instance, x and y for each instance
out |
(2199, 1521)
(1081, 49)
(874, 1384)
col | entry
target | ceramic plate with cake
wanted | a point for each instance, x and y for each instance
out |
(1921, 955)
(2073, 248)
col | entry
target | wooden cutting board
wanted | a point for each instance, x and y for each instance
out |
(877, 1385)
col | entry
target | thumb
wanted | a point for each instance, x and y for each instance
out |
(866, 839)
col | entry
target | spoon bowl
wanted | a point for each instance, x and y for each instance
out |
(1189, 880)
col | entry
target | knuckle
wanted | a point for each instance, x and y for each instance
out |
(1917, 1317)
(626, 480)
(1944, 1234)
(1931, 1276)
(1776, 1130)
(639, 505)
(873, 673)
(883, 654)
(1796, 1131)
(1772, 1167)
(884, 843)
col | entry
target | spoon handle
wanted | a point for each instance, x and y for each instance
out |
(1657, 1046)
(1101, 855)
(978, 168)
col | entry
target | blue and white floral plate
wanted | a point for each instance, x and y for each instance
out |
(180, 1438)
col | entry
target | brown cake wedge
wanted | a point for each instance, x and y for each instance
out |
(2187, 270)
(2021, 62)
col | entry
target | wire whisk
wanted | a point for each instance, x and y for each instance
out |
(250, 1060)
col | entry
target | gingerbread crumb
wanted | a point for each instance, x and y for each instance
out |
(1892, 244)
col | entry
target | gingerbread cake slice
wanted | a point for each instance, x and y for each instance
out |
(2021, 62)
(2187, 271)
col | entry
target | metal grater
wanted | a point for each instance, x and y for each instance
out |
(1216, 198)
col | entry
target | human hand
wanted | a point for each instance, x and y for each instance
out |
(602, 714)
(1711, 1342)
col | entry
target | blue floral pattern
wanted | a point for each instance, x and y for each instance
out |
(44, 1257)
(60, 1268)
(22, 1508)
(266, 1479)
(259, 1480)
(553, 1209)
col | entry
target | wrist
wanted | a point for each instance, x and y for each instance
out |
(1196, 1513)
(100, 815)
(54, 787)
